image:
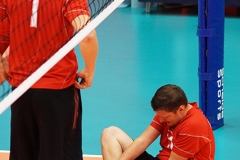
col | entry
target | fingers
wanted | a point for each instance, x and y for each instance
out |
(86, 79)
(85, 82)
(81, 85)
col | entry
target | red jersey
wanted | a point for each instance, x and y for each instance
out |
(192, 137)
(35, 36)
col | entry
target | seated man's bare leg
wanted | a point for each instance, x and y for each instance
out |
(114, 141)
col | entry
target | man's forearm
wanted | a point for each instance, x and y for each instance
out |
(3, 69)
(89, 50)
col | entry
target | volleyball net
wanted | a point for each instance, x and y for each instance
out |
(50, 52)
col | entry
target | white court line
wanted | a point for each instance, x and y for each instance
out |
(89, 155)
(84, 155)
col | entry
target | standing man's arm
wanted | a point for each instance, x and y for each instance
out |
(4, 42)
(4, 66)
(140, 144)
(89, 49)
(4, 28)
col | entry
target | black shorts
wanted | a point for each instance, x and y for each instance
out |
(146, 156)
(42, 125)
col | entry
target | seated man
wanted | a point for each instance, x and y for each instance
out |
(185, 132)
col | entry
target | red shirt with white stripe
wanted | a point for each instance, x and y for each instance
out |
(35, 30)
(192, 138)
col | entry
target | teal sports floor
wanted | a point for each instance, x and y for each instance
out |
(140, 52)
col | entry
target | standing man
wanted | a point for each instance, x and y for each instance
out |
(185, 132)
(46, 121)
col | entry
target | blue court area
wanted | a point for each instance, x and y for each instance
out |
(140, 52)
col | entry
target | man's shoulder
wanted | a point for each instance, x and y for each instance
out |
(195, 121)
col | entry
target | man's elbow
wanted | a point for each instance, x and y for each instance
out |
(92, 36)
(90, 39)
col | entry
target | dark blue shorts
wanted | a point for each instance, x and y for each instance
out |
(42, 125)
(146, 156)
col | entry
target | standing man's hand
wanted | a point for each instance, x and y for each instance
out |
(86, 79)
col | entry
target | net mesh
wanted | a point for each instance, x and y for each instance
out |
(32, 39)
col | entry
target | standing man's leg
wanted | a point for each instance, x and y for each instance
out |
(114, 141)
(59, 138)
(24, 143)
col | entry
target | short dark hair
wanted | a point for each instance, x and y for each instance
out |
(169, 98)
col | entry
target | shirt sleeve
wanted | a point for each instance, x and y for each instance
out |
(74, 8)
(157, 124)
(4, 28)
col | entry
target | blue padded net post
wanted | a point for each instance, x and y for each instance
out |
(211, 55)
